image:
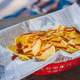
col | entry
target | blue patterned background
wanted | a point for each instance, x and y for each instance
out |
(29, 12)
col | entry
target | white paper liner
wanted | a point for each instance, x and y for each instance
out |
(15, 70)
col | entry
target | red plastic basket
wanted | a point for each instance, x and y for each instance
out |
(58, 67)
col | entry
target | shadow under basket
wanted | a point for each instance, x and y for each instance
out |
(55, 68)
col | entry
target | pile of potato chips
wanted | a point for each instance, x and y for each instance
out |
(43, 44)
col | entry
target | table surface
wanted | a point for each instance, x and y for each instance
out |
(9, 22)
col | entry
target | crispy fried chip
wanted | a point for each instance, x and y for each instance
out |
(36, 47)
(47, 53)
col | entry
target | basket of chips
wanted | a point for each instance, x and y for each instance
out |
(52, 40)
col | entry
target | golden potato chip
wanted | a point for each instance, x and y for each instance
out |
(56, 39)
(36, 47)
(71, 49)
(23, 58)
(46, 54)
(72, 42)
(77, 41)
(45, 45)
(77, 46)
(64, 43)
